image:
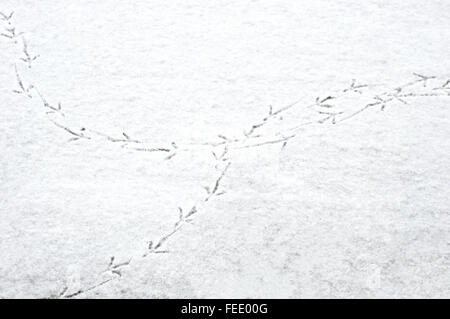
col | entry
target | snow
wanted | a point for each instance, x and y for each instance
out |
(196, 152)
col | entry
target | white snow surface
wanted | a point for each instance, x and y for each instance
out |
(225, 149)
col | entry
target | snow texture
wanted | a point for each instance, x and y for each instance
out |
(224, 149)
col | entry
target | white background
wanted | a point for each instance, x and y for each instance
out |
(356, 209)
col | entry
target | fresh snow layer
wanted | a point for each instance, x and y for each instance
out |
(224, 149)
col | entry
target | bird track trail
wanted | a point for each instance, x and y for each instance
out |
(268, 130)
